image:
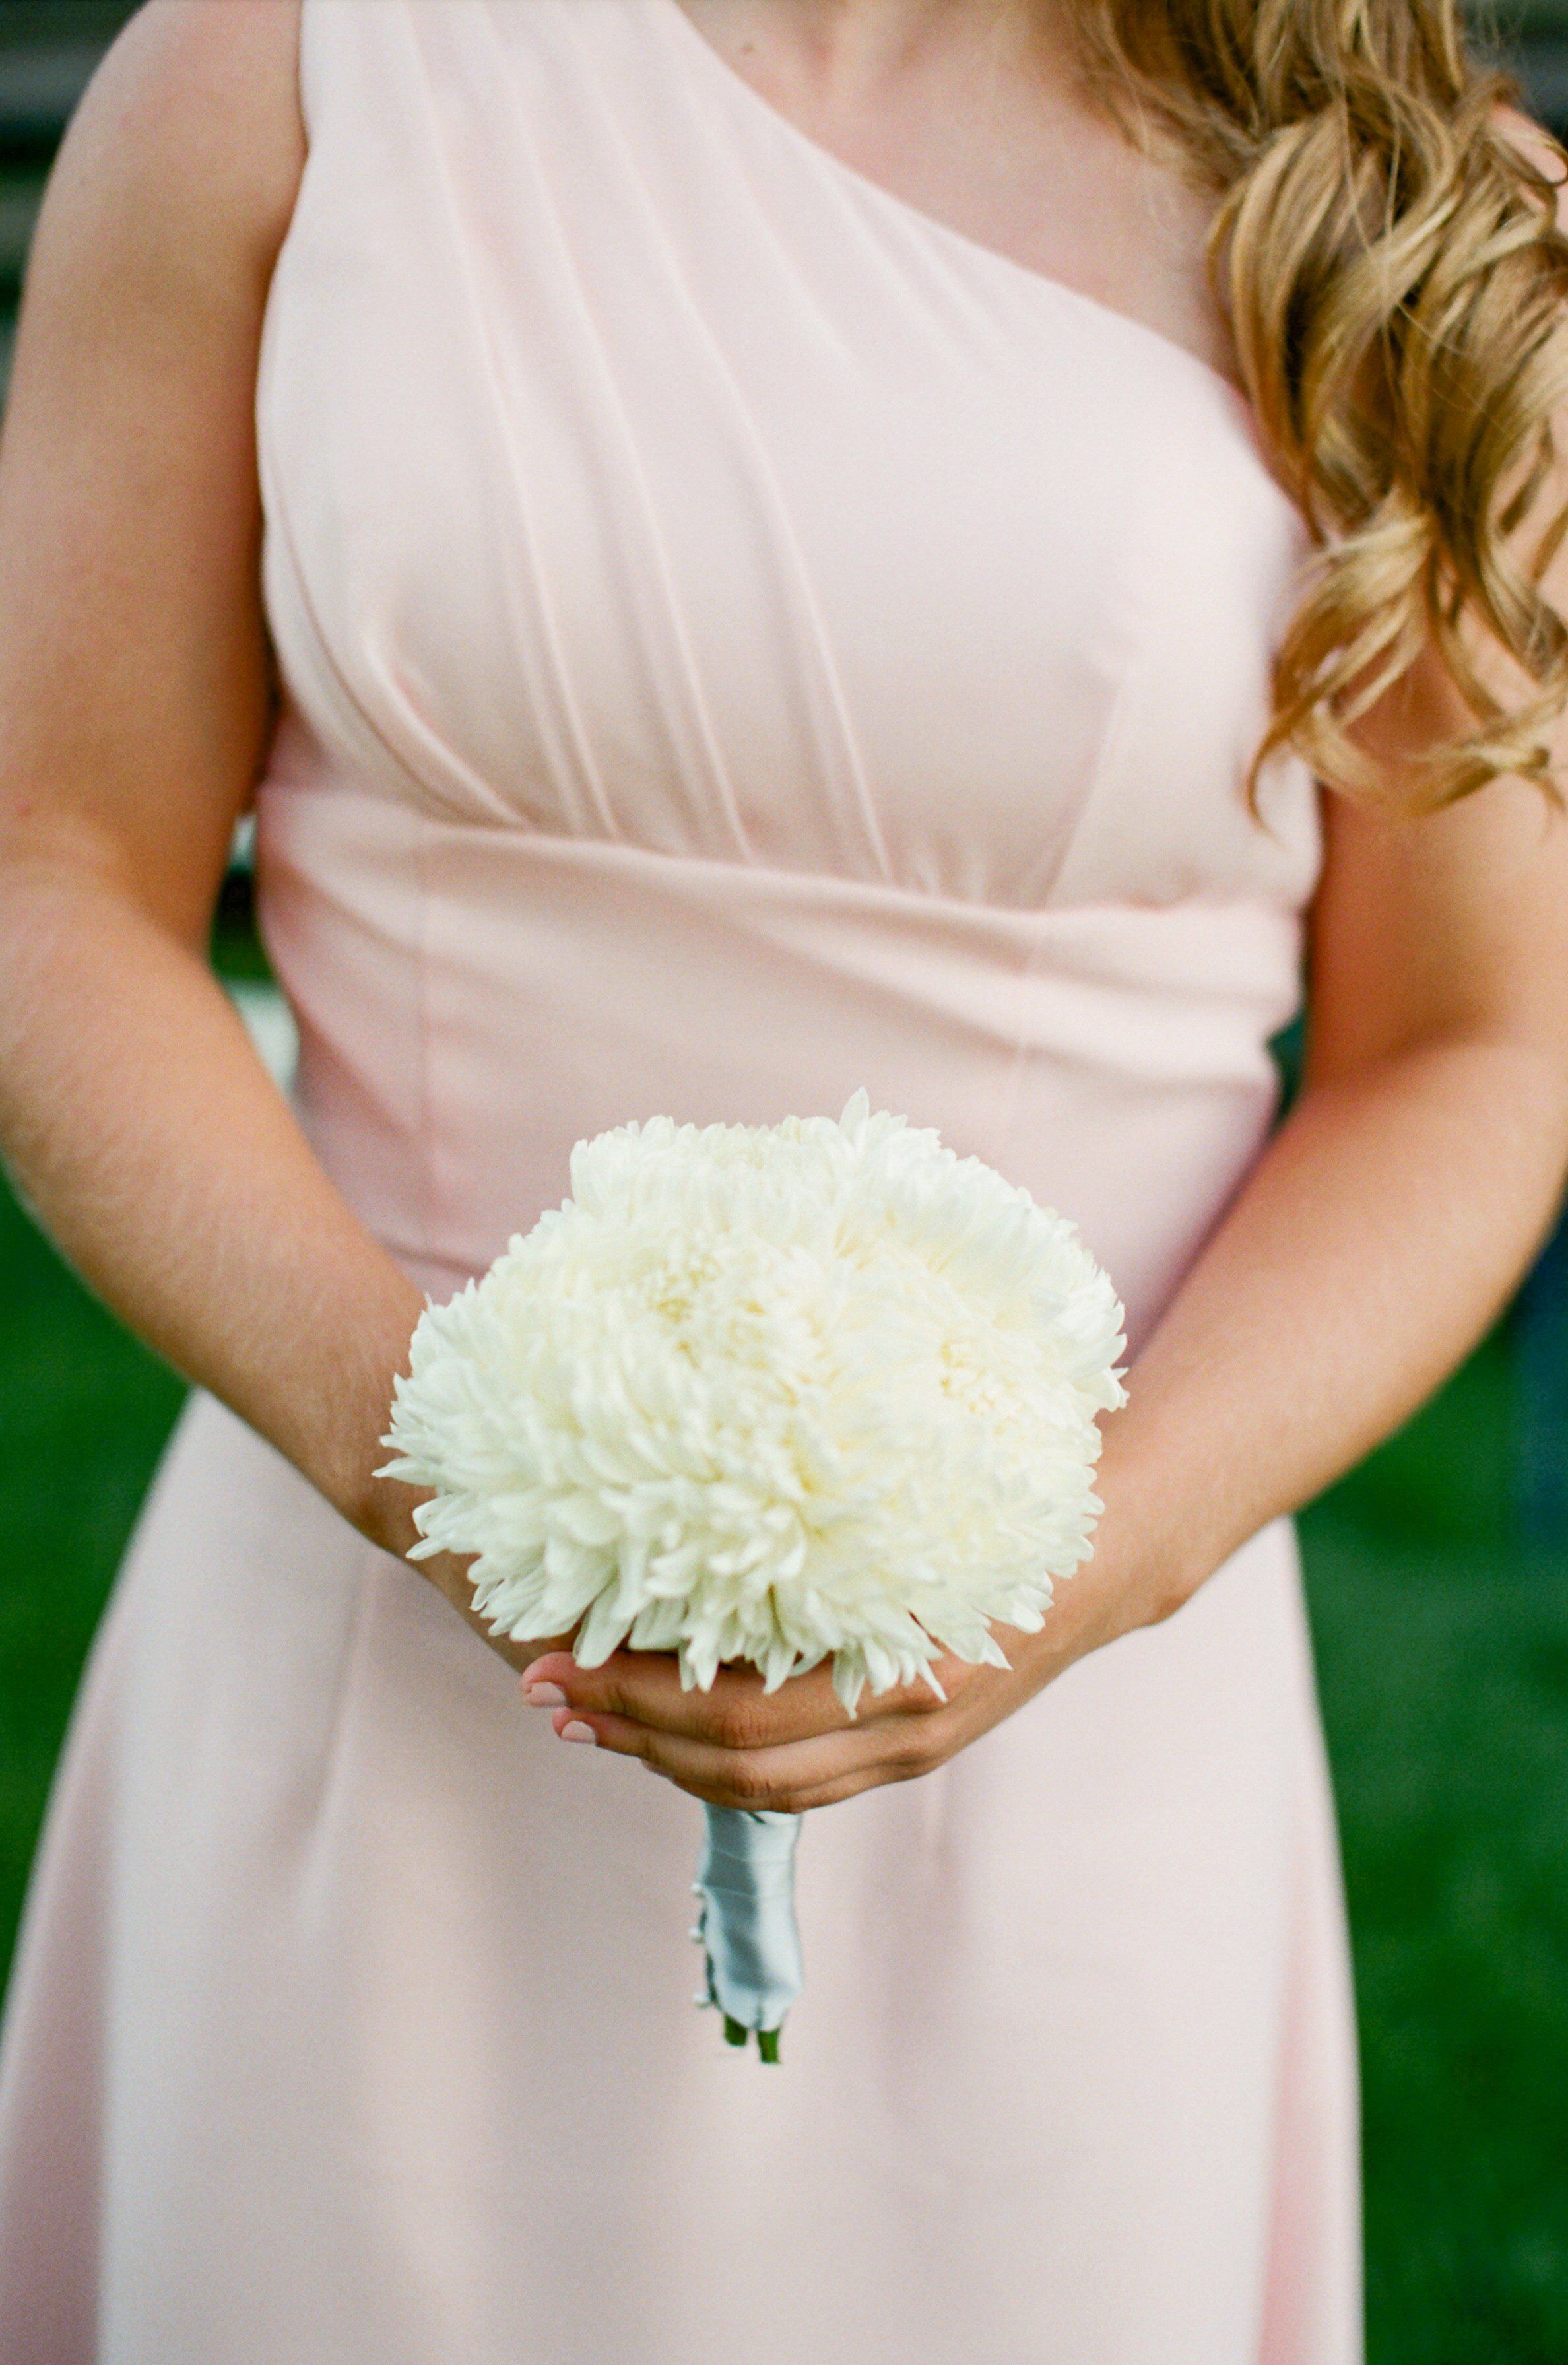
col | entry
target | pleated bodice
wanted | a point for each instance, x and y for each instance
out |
(743, 639)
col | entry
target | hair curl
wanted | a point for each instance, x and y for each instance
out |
(1389, 258)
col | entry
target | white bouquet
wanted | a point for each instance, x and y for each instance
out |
(773, 1395)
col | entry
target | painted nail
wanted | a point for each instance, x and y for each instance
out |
(578, 1731)
(545, 1696)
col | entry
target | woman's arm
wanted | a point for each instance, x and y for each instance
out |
(1368, 1250)
(1370, 1247)
(135, 709)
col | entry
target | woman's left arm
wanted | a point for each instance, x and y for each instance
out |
(1370, 1247)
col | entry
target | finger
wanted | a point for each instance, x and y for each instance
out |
(735, 1712)
(780, 1777)
(847, 1785)
(644, 1687)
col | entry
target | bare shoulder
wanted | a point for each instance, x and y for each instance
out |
(188, 144)
(130, 499)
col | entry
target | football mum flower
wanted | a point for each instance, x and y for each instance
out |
(773, 1395)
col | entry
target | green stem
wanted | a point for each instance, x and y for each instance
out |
(736, 2033)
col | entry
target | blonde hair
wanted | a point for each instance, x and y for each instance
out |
(1392, 268)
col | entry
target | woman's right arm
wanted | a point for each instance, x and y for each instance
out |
(135, 709)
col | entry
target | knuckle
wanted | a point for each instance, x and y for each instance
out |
(917, 1753)
(751, 1785)
(954, 1675)
(619, 1693)
(1167, 1601)
(738, 1724)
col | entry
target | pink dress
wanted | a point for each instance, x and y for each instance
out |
(743, 641)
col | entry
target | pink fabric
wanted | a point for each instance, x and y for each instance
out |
(743, 641)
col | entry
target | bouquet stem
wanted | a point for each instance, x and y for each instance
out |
(747, 1922)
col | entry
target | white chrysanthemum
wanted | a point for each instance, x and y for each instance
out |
(770, 1393)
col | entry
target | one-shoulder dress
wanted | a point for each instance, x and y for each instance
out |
(743, 641)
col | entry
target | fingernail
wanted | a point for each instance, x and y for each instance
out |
(577, 1731)
(544, 1696)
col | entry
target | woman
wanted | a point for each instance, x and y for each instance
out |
(778, 554)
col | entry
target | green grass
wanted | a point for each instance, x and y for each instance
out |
(83, 1411)
(1443, 1659)
(1444, 1666)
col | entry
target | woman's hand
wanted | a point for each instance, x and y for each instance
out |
(738, 1746)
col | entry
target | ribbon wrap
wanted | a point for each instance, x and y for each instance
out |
(746, 1920)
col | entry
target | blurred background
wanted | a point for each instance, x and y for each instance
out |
(1438, 1574)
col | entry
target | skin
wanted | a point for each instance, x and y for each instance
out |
(1378, 1235)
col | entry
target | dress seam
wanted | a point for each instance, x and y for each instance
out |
(1026, 1051)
